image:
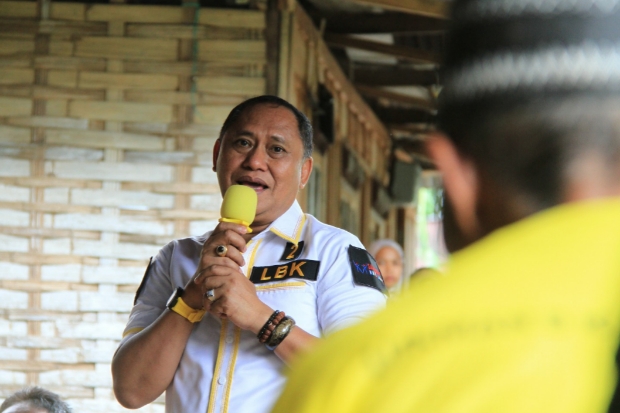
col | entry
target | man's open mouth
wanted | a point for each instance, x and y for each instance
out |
(256, 184)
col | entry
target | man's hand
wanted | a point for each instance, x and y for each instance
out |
(235, 295)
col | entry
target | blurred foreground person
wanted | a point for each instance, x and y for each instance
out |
(34, 400)
(389, 256)
(527, 317)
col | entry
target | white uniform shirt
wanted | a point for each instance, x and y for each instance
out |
(225, 369)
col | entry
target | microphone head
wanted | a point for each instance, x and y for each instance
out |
(239, 205)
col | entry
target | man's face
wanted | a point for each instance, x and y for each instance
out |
(263, 150)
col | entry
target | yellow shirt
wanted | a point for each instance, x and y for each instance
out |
(526, 320)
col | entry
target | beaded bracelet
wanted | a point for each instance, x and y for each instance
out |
(280, 332)
(269, 325)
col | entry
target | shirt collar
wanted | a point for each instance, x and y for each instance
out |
(288, 226)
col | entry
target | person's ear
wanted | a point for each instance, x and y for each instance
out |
(461, 182)
(306, 170)
(216, 152)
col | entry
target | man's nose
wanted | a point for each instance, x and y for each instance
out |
(256, 159)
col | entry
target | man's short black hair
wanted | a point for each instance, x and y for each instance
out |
(303, 124)
(37, 397)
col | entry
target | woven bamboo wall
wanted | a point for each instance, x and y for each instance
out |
(108, 114)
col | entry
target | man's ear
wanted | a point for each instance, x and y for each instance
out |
(216, 152)
(306, 170)
(461, 182)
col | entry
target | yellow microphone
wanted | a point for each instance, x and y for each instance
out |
(239, 205)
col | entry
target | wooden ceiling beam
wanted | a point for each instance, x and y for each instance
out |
(432, 8)
(366, 23)
(402, 52)
(402, 118)
(386, 75)
(415, 102)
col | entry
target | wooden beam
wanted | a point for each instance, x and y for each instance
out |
(412, 128)
(402, 52)
(398, 116)
(384, 23)
(431, 8)
(414, 102)
(387, 75)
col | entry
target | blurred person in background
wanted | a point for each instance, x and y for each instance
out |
(390, 259)
(34, 400)
(527, 317)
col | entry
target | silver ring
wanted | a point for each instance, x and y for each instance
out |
(210, 294)
(221, 250)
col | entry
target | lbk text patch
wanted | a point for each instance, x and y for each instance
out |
(292, 251)
(365, 269)
(304, 269)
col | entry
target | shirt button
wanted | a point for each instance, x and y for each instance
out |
(229, 339)
(221, 381)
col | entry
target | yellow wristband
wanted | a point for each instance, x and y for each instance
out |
(187, 312)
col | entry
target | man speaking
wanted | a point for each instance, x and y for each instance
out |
(527, 317)
(217, 316)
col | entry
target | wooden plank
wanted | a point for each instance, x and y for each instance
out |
(103, 139)
(250, 51)
(24, 62)
(47, 92)
(69, 63)
(403, 52)
(384, 23)
(56, 107)
(188, 68)
(68, 11)
(16, 47)
(58, 28)
(10, 134)
(211, 115)
(181, 98)
(18, 9)
(127, 48)
(94, 80)
(171, 188)
(387, 75)
(412, 101)
(12, 76)
(121, 111)
(240, 86)
(431, 8)
(62, 78)
(10, 106)
(186, 31)
(136, 14)
(61, 48)
(250, 19)
(20, 91)
(49, 182)
(48, 122)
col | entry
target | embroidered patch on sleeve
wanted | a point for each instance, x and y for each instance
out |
(292, 251)
(365, 269)
(302, 269)
(143, 282)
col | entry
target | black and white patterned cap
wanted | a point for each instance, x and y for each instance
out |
(520, 49)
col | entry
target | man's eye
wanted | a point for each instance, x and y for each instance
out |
(243, 142)
(278, 149)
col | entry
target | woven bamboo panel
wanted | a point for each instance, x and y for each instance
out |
(107, 122)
